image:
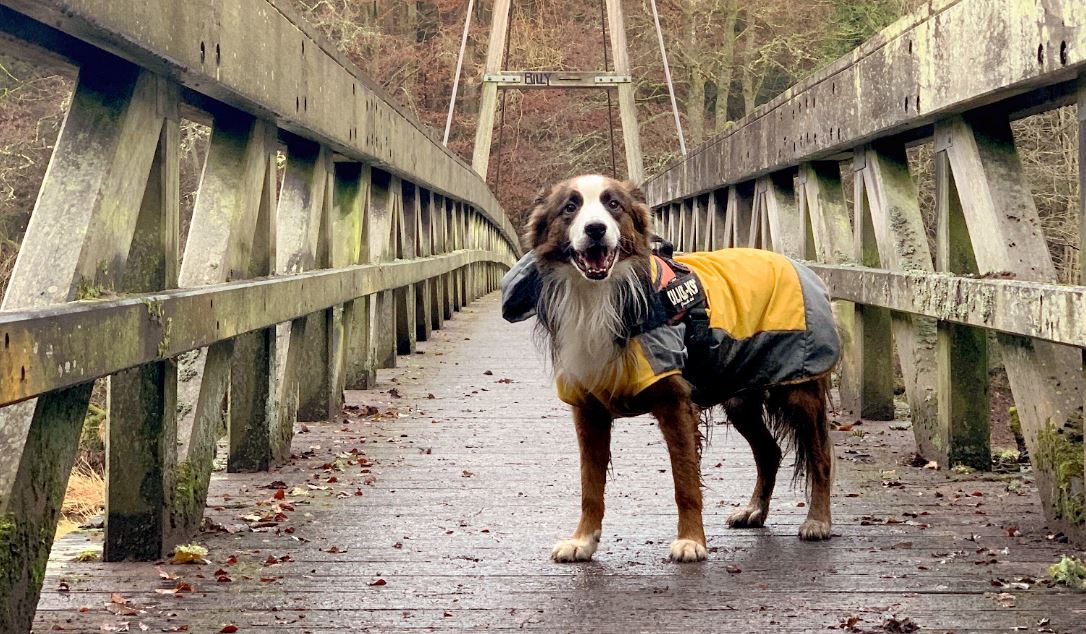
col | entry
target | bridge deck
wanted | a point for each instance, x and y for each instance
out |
(450, 523)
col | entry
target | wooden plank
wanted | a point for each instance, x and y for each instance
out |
(921, 67)
(872, 326)
(1046, 379)
(220, 240)
(140, 445)
(962, 352)
(488, 100)
(627, 108)
(76, 243)
(261, 57)
(560, 79)
(902, 245)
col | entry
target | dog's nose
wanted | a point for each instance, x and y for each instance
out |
(595, 230)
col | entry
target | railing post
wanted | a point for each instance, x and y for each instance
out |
(302, 245)
(424, 291)
(405, 228)
(385, 190)
(1082, 208)
(784, 226)
(359, 369)
(962, 352)
(219, 242)
(829, 238)
(439, 285)
(142, 430)
(252, 373)
(871, 334)
(1046, 378)
(79, 236)
(902, 244)
(718, 205)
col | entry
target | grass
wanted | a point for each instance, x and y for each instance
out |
(84, 498)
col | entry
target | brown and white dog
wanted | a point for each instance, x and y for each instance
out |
(591, 240)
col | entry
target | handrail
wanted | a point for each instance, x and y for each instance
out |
(927, 65)
(169, 323)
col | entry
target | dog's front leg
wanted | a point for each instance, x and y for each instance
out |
(594, 437)
(678, 418)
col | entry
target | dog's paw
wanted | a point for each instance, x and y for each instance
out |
(687, 550)
(749, 517)
(814, 530)
(572, 549)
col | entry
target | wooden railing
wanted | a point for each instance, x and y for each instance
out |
(955, 74)
(292, 287)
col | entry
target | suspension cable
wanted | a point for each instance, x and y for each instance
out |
(501, 122)
(456, 77)
(610, 109)
(667, 75)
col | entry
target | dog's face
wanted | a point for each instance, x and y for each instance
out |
(590, 223)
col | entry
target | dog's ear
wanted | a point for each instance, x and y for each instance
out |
(639, 211)
(536, 227)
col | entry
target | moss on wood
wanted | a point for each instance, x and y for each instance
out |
(1059, 453)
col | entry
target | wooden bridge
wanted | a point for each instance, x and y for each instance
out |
(388, 466)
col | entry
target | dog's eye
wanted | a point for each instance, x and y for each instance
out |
(613, 204)
(569, 208)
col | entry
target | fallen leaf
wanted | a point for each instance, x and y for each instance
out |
(733, 569)
(280, 494)
(228, 629)
(189, 554)
(378, 582)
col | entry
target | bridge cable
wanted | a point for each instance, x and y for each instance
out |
(501, 122)
(667, 75)
(610, 109)
(456, 77)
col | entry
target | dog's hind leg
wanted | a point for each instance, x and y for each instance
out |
(746, 415)
(801, 411)
(594, 437)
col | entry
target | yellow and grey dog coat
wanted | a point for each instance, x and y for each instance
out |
(728, 321)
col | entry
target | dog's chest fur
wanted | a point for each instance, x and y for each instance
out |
(586, 324)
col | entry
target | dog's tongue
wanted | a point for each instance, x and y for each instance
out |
(596, 257)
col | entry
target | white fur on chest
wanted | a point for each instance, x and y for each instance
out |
(588, 328)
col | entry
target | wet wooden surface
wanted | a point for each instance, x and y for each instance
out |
(439, 511)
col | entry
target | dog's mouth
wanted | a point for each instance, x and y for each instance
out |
(595, 262)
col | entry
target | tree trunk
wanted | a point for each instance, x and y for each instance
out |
(695, 96)
(726, 68)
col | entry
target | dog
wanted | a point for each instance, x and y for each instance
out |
(630, 332)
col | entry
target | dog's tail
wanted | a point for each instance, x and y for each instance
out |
(798, 417)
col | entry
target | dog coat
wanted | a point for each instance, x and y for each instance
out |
(728, 321)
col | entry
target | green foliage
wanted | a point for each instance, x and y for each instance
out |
(1069, 572)
(852, 23)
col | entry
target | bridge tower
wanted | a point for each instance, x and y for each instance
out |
(495, 79)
